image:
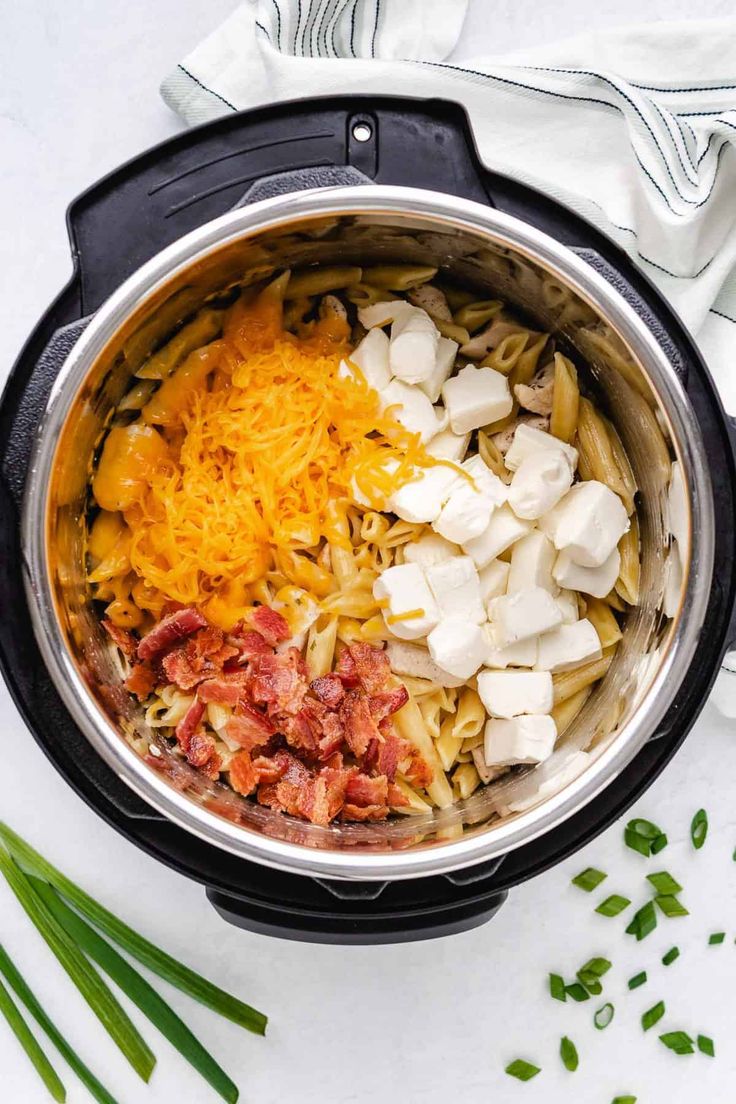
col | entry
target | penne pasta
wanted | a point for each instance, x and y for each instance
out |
(409, 724)
(365, 295)
(563, 421)
(397, 277)
(416, 804)
(200, 331)
(473, 316)
(317, 281)
(321, 647)
(470, 716)
(567, 683)
(600, 615)
(465, 780)
(564, 713)
(627, 585)
(624, 467)
(595, 443)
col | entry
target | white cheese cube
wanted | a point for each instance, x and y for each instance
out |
(413, 346)
(430, 549)
(444, 362)
(456, 589)
(493, 580)
(410, 659)
(413, 410)
(598, 581)
(406, 590)
(568, 646)
(528, 440)
(468, 510)
(539, 483)
(567, 600)
(510, 694)
(423, 497)
(588, 521)
(371, 357)
(522, 614)
(380, 314)
(521, 654)
(503, 529)
(532, 559)
(476, 397)
(521, 740)
(458, 647)
(449, 446)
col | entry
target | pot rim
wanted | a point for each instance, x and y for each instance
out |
(455, 213)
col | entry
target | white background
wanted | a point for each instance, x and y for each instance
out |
(417, 1022)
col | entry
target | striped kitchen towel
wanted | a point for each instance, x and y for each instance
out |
(635, 128)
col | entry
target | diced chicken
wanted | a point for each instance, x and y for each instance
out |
(410, 659)
(489, 337)
(432, 300)
(537, 395)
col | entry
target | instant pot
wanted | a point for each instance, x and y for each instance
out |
(353, 180)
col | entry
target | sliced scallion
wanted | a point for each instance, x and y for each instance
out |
(644, 922)
(569, 1054)
(699, 829)
(557, 987)
(577, 992)
(664, 883)
(642, 836)
(603, 1016)
(624, 1100)
(613, 905)
(589, 879)
(659, 843)
(678, 1041)
(706, 1046)
(136, 945)
(670, 906)
(27, 1040)
(653, 1015)
(637, 980)
(672, 954)
(522, 1070)
(716, 938)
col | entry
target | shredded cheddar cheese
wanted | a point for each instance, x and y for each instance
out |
(410, 615)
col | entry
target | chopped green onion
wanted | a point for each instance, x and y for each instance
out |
(699, 829)
(143, 995)
(85, 1075)
(136, 945)
(624, 1100)
(589, 879)
(99, 997)
(589, 975)
(603, 1016)
(670, 906)
(672, 954)
(659, 843)
(568, 1054)
(637, 980)
(705, 1046)
(644, 922)
(613, 905)
(27, 1040)
(644, 828)
(716, 938)
(664, 883)
(652, 1015)
(522, 1070)
(636, 842)
(679, 1041)
(557, 987)
(577, 991)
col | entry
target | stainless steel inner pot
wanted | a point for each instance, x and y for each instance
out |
(500, 257)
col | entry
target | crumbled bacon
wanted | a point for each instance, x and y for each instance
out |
(249, 643)
(360, 728)
(227, 689)
(243, 774)
(123, 639)
(200, 657)
(387, 702)
(364, 812)
(419, 771)
(279, 682)
(329, 689)
(396, 798)
(176, 626)
(141, 681)
(333, 735)
(272, 625)
(371, 665)
(346, 670)
(201, 749)
(249, 727)
(364, 790)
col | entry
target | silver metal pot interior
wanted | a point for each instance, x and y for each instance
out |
(620, 362)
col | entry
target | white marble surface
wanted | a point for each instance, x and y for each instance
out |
(78, 95)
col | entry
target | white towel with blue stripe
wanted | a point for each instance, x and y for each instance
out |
(635, 128)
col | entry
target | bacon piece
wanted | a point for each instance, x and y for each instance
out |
(371, 665)
(360, 728)
(201, 657)
(140, 681)
(123, 639)
(201, 749)
(188, 724)
(278, 681)
(392, 751)
(329, 689)
(333, 736)
(419, 771)
(387, 702)
(364, 812)
(272, 626)
(243, 774)
(249, 727)
(175, 626)
(346, 670)
(395, 798)
(213, 767)
(270, 769)
(227, 689)
(364, 790)
(249, 643)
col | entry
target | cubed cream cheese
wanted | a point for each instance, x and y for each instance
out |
(421, 499)
(413, 346)
(567, 600)
(539, 483)
(430, 549)
(510, 694)
(525, 613)
(528, 441)
(457, 647)
(521, 740)
(449, 446)
(476, 397)
(502, 530)
(521, 654)
(568, 646)
(598, 581)
(588, 521)
(467, 511)
(444, 362)
(413, 410)
(381, 314)
(456, 589)
(532, 559)
(406, 590)
(493, 579)
(371, 357)
(413, 660)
